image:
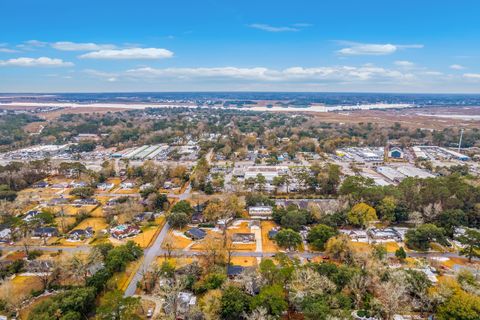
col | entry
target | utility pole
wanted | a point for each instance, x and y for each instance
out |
(460, 142)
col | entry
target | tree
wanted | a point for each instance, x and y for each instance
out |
(339, 247)
(183, 206)
(420, 238)
(288, 238)
(361, 215)
(272, 298)
(306, 282)
(211, 304)
(178, 219)
(72, 304)
(316, 309)
(82, 192)
(386, 208)
(401, 254)
(461, 305)
(319, 235)
(114, 306)
(471, 244)
(234, 303)
(261, 182)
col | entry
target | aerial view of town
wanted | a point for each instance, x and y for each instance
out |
(152, 168)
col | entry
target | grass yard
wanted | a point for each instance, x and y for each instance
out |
(244, 261)
(360, 246)
(20, 287)
(145, 238)
(391, 246)
(268, 244)
(177, 239)
(97, 224)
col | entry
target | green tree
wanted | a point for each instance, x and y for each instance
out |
(386, 209)
(234, 303)
(471, 244)
(82, 192)
(420, 238)
(183, 206)
(114, 306)
(261, 182)
(272, 298)
(288, 238)
(401, 254)
(319, 235)
(178, 219)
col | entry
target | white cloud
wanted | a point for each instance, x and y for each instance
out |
(404, 63)
(131, 53)
(293, 74)
(374, 49)
(75, 46)
(269, 28)
(457, 67)
(36, 62)
(7, 50)
(472, 76)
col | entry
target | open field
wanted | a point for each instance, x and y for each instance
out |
(431, 117)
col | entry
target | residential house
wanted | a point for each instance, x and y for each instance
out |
(80, 234)
(358, 235)
(185, 301)
(124, 231)
(243, 237)
(196, 233)
(40, 184)
(234, 271)
(5, 233)
(386, 234)
(31, 215)
(45, 232)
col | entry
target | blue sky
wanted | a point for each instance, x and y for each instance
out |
(262, 45)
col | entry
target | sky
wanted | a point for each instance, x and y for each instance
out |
(243, 45)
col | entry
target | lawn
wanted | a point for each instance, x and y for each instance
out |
(20, 287)
(244, 261)
(268, 244)
(360, 246)
(177, 239)
(391, 246)
(122, 279)
(97, 224)
(145, 238)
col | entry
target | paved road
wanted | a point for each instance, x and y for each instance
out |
(149, 256)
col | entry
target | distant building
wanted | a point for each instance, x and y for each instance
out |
(260, 212)
(269, 172)
(411, 171)
(40, 184)
(395, 153)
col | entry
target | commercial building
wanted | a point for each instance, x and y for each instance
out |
(260, 212)
(269, 172)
